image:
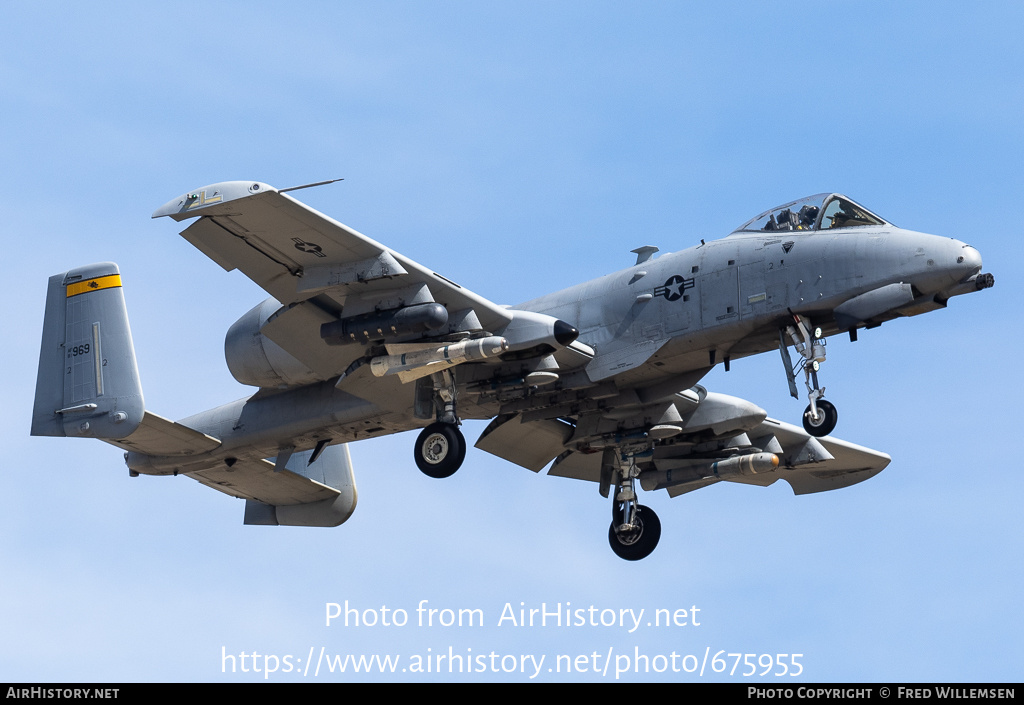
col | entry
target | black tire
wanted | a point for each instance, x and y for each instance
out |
(440, 450)
(826, 424)
(640, 545)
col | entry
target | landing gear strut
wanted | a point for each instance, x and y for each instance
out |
(441, 447)
(635, 529)
(820, 417)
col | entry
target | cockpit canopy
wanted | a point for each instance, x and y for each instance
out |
(825, 211)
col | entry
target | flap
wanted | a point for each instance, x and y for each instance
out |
(531, 445)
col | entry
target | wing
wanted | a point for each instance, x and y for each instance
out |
(715, 437)
(316, 267)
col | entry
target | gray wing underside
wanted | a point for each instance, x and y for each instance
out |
(850, 463)
(808, 464)
(316, 267)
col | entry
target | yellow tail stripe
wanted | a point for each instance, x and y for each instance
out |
(96, 284)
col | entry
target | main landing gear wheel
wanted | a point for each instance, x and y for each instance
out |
(440, 450)
(826, 421)
(639, 542)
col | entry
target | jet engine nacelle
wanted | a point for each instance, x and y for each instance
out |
(255, 359)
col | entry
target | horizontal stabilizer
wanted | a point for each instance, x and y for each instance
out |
(315, 487)
(159, 436)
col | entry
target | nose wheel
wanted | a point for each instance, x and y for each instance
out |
(822, 423)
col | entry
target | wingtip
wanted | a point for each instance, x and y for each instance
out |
(190, 204)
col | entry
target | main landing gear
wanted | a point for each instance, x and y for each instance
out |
(636, 537)
(635, 529)
(440, 450)
(441, 447)
(820, 417)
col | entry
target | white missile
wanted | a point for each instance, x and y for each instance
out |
(413, 360)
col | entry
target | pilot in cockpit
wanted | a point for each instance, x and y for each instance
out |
(821, 212)
(808, 215)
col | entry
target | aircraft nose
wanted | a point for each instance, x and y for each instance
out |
(951, 262)
(946, 262)
(968, 261)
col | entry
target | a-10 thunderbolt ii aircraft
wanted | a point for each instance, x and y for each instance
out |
(599, 381)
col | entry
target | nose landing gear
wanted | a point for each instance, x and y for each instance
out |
(820, 417)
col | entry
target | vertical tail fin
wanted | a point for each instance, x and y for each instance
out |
(88, 381)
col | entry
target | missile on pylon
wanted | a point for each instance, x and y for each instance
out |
(693, 471)
(413, 361)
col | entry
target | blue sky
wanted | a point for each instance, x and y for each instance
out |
(517, 148)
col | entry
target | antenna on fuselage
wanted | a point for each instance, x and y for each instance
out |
(644, 253)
